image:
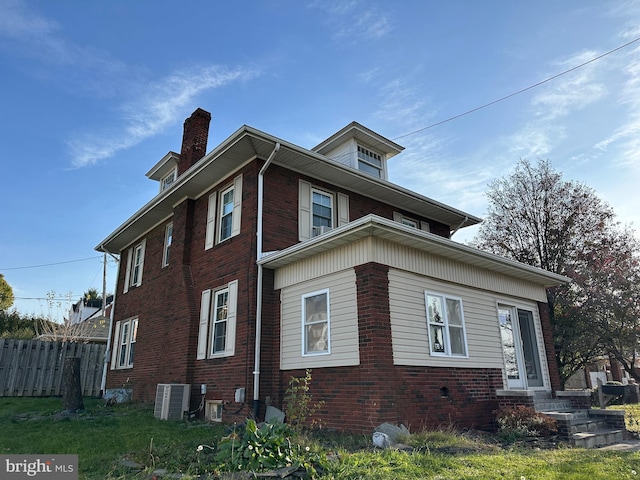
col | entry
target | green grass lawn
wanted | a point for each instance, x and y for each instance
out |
(103, 436)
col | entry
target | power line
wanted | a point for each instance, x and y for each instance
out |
(50, 264)
(519, 91)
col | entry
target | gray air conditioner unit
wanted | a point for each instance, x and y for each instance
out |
(172, 401)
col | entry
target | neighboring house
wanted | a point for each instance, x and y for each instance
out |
(86, 323)
(261, 259)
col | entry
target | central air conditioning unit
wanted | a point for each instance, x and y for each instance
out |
(321, 230)
(172, 401)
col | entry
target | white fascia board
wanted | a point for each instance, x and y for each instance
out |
(373, 225)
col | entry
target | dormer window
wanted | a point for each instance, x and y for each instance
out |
(168, 179)
(370, 162)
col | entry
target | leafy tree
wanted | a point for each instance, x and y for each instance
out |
(17, 326)
(610, 295)
(538, 218)
(6, 294)
(92, 294)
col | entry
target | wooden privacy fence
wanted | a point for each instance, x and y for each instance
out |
(33, 368)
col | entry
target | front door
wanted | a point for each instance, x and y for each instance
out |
(520, 348)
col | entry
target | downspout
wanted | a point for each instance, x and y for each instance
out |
(459, 226)
(256, 367)
(107, 352)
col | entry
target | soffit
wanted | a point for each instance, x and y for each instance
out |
(247, 143)
(385, 229)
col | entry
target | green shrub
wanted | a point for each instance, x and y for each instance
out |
(300, 406)
(269, 447)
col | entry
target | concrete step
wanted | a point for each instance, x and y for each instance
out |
(551, 405)
(597, 438)
(568, 416)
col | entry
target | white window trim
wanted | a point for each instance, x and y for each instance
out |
(446, 327)
(116, 348)
(371, 153)
(400, 218)
(128, 277)
(173, 174)
(340, 209)
(168, 240)
(315, 231)
(205, 330)
(214, 219)
(305, 323)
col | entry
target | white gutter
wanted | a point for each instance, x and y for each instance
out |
(256, 367)
(459, 226)
(107, 352)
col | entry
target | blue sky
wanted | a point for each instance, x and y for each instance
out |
(93, 94)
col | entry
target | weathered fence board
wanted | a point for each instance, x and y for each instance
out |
(33, 368)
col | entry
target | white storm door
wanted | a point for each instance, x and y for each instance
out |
(520, 348)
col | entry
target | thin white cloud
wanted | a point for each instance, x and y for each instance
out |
(354, 19)
(570, 92)
(161, 107)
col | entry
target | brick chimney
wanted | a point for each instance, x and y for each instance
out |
(194, 139)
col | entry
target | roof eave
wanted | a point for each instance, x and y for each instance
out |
(373, 225)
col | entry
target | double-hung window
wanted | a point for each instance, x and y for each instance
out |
(319, 211)
(370, 162)
(216, 334)
(168, 239)
(224, 213)
(445, 322)
(316, 323)
(322, 211)
(124, 343)
(135, 266)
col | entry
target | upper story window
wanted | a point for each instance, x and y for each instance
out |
(315, 323)
(168, 239)
(168, 179)
(370, 162)
(322, 212)
(226, 213)
(319, 211)
(410, 222)
(445, 322)
(225, 217)
(135, 266)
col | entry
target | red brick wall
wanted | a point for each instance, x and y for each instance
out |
(280, 220)
(360, 398)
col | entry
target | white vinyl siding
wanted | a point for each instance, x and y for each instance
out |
(217, 330)
(371, 249)
(409, 328)
(343, 331)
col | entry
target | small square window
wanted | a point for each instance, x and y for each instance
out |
(168, 180)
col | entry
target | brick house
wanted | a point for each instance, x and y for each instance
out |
(260, 259)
